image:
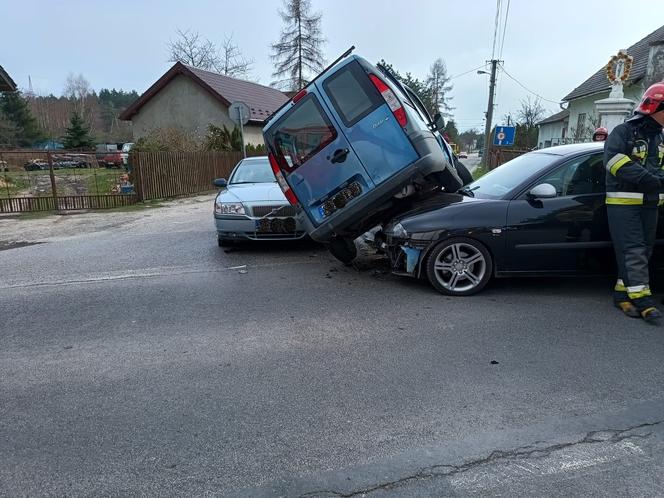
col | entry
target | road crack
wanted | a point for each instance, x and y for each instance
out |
(611, 436)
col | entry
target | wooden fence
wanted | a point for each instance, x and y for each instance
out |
(65, 203)
(500, 156)
(159, 175)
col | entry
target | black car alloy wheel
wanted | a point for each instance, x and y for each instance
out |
(459, 266)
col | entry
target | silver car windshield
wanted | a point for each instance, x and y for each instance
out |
(253, 171)
(502, 180)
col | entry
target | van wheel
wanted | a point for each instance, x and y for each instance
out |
(462, 171)
(342, 249)
(459, 266)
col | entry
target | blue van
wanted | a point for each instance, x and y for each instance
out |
(350, 146)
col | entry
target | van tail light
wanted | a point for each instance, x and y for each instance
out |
(285, 188)
(391, 99)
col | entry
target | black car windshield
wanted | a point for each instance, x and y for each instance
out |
(502, 180)
(253, 171)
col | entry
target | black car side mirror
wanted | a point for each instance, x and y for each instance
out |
(543, 191)
(220, 182)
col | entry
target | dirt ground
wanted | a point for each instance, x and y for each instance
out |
(18, 230)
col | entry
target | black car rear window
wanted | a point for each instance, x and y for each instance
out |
(352, 93)
(301, 134)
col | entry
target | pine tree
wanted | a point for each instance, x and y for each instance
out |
(78, 134)
(439, 88)
(298, 53)
(15, 109)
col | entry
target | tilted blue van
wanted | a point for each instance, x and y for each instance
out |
(349, 145)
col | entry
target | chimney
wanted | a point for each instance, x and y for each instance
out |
(655, 68)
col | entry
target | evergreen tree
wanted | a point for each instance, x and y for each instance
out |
(16, 112)
(298, 52)
(452, 132)
(7, 131)
(438, 83)
(78, 134)
(221, 138)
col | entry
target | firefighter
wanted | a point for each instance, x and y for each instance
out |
(600, 134)
(634, 180)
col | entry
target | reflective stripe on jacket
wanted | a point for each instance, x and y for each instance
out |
(633, 170)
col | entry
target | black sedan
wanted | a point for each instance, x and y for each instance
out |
(542, 213)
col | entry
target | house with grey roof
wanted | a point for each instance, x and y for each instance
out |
(553, 130)
(582, 117)
(6, 83)
(189, 98)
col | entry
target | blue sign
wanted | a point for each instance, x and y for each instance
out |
(504, 135)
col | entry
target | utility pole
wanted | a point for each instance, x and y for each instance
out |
(489, 112)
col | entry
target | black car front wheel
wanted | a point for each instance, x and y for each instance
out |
(459, 266)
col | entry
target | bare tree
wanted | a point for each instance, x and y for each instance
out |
(439, 87)
(232, 62)
(194, 50)
(77, 89)
(298, 52)
(531, 112)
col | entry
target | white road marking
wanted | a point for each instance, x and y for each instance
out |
(569, 459)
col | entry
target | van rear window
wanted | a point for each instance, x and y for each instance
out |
(301, 134)
(352, 94)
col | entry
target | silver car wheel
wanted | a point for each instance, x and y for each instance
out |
(460, 267)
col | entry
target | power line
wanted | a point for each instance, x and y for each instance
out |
(466, 72)
(527, 89)
(502, 43)
(495, 29)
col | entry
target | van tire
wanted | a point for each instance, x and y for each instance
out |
(462, 171)
(343, 249)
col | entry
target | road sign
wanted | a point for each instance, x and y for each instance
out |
(504, 135)
(239, 113)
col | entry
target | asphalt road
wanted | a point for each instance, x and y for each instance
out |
(144, 360)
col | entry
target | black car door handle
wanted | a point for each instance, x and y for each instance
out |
(339, 156)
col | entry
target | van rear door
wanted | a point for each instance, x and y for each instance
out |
(367, 121)
(316, 160)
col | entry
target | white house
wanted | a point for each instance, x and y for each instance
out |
(582, 117)
(553, 130)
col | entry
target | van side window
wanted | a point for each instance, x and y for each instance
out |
(352, 93)
(301, 134)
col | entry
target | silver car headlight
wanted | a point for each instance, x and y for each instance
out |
(229, 208)
(399, 231)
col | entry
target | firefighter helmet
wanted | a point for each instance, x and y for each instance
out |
(600, 134)
(652, 100)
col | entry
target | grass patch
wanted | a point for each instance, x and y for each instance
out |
(480, 171)
(11, 184)
(139, 206)
(36, 215)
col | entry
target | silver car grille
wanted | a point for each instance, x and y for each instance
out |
(280, 211)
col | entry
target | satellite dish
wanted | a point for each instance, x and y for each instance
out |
(239, 112)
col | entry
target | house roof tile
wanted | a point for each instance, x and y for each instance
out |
(262, 100)
(559, 116)
(598, 82)
(6, 83)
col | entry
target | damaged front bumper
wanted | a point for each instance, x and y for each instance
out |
(406, 254)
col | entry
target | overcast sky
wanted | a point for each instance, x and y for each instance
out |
(550, 47)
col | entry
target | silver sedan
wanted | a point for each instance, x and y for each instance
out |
(251, 206)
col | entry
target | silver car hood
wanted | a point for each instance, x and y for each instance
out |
(253, 192)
